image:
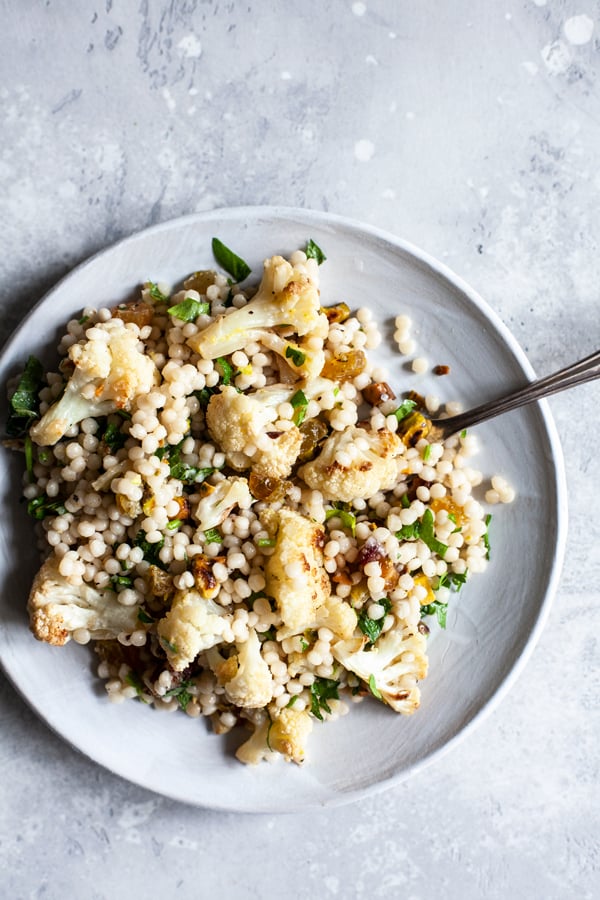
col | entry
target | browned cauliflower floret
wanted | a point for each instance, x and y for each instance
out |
(219, 500)
(193, 624)
(57, 609)
(368, 464)
(245, 676)
(110, 371)
(289, 733)
(286, 296)
(236, 420)
(295, 575)
(397, 653)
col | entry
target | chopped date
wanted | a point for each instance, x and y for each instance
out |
(441, 370)
(378, 392)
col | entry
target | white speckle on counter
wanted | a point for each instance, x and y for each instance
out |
(539, 2)
(135, 814)
(371, 61)
(169, 99)
(530, 67)
(557, 57)
(285, 75)
(359, 9)
(364, 150)
(190, 46)
(578, 29)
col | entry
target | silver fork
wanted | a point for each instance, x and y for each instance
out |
(578, 373)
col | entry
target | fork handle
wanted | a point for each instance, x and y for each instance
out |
(579, 372)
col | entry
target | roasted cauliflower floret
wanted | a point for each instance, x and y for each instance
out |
(57, 609)
(110, 372)
(192, 625)
(369, 464)
(285, 734)
(220, 499)
(245, 676)
(237, 420)
(396, 654)
(295, 575)
(285, 297)
(289, 733)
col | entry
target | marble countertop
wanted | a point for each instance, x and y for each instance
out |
(470, 129)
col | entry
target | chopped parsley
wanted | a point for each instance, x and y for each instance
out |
(486, 536)
(322, 690)
(437, 609)
(174, 524)
(313, 251)
(404, 409)
(373, 687)
(145, 617)
(181, 470)
(291, 702)
(225, 369)
(113, 437)
(29, 458)
(24, 403)
(213, 536)
(168, 645)
(425, 530)
(266, 542)
(296, 356)
(230, 261)
(156, 293)
(189, 309)
(134, 680)
(43, 506)
(346, 517)
(121, 581)
(300, 404)
(181, 693)
(149, 550)
(452, 580)
(372, 628)
(426, 452)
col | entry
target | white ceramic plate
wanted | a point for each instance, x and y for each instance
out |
(491, 631)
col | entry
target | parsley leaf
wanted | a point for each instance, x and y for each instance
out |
(346, 517)
(373, 687)
(296, 356)
(322, 690)
(438, 609)
(404, 409)
(43, 506)
(189, 309)
(425, 530)
(213, 536)
(182, 694)
(113, 437)
(313, 251)
(24, 403)
(156, 293)
(225, 369)
(230, 261)
(373, 627)
(486, 536)
(149, 550)
(300, 404)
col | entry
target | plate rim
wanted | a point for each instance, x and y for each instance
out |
(289, 213)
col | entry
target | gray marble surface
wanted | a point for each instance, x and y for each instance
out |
(471, 129)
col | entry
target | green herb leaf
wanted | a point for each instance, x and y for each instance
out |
(347, 518)
(43, 506)
(486, 536)
(145, 617)
(149, 550)
(230, 261)
(133, 679)
(266, 542)
(438, 609)
(189, 309)
(168, 645)
(428, 537)
(373, 627)
(24, 402)
(113, 437)
(373, 687)
(426, 452)
(29, 458)
(322, 690)
(296, 356)
(225, 369)
(182, 694)
(156, 293)
(404, 409)
(203, 396)
(291, 701)
(174, 524)
(405, 501)
(452, 580)
(213, 536)
(313, 251)
(300, 403)
(121, 581)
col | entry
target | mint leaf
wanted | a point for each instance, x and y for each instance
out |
(230, 261)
